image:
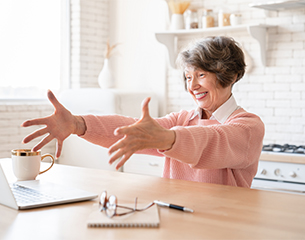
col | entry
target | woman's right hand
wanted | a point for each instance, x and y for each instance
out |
(60, 125)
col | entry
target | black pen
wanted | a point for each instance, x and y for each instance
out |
(163, 204)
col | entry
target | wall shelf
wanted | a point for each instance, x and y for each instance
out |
(279, 5)
(170, 38)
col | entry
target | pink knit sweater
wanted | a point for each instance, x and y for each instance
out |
(204, 150)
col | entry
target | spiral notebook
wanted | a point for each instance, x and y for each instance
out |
(148, 218)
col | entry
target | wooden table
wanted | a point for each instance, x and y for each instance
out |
(221, 212)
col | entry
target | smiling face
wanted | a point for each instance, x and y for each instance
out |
(211, 66)
(206, 90)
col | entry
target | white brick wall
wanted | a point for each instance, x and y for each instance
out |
(89, 34)
(11, 117)
(275, 92)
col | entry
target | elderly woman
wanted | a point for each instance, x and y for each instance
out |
(219, 142)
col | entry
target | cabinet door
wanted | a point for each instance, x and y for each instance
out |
(144, 164)
(79, 152)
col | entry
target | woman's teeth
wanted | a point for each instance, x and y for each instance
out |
(200, 95)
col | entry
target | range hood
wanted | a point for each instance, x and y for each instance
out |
(278, 5)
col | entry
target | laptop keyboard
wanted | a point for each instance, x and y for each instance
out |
(25, 195)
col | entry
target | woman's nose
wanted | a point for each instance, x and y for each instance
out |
(194, 84)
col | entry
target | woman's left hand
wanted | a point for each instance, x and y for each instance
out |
(144, 134)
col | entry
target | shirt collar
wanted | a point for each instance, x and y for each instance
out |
(222, 113)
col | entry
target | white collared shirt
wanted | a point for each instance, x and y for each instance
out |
(222, 113)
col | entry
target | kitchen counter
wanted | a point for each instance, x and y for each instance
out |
(220, 212)
(282, 157)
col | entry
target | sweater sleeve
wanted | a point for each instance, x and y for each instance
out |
(235, 144)
(100, 129)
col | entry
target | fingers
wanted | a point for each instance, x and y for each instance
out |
(121, 130)
(35, 134)
(145, 115)
(145, 109)
(54, 100)
(45, 141)
(43, 121)
(37, 121)
(119, 151)
(58, 148)
(42, 143)
(115, 147)
(115, 156)
(122, 159)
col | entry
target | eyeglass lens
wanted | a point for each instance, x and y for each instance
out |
(103, 200)
(109, 205)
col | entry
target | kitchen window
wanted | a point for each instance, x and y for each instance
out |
(34, 47)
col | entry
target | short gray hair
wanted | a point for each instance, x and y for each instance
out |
(217, 54)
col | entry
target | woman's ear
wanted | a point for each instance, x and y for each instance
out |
(235, 78)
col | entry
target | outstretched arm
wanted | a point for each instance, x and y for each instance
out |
(60, 125)
(144, 134)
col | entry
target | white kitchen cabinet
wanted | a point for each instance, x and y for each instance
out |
(145, 164)
(170, 38)
(79, 152)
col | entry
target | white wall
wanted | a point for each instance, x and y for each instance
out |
(275, 92)
(140, 60)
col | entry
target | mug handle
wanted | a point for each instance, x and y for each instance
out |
(44, 156)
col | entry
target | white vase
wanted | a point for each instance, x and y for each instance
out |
(106, 78)
(177, 21)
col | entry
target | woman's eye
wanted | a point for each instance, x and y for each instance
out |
(201, 74)
(188, 78)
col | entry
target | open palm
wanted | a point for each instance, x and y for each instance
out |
(144, 134)
(59, 125)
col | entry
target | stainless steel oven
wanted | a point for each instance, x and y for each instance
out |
(281, 168)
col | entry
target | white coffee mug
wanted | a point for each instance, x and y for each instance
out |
(26, 163)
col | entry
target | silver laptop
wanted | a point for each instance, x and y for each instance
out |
(36, 193)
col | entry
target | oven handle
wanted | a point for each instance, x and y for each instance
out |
(280, 189)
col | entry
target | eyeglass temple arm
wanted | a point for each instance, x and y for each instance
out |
(135, 205)
(135, 209)
(148, 206)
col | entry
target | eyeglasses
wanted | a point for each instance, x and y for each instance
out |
(109, 206)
